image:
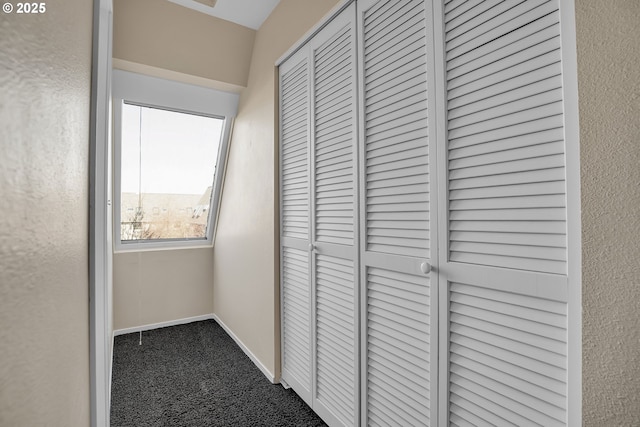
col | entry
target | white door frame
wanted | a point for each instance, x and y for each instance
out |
(100, 240)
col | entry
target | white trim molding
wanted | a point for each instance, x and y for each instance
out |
(574, 216)
(267, 373)
(100, 242)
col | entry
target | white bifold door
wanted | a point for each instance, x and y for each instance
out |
(503, 237)
(428, 274)
(319, 222)
(397, 214)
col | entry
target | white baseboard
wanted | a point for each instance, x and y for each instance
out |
(246, 350)
(163, 324)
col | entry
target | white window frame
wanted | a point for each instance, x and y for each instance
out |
(148, 91)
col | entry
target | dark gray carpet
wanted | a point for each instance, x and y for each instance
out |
(196, 375)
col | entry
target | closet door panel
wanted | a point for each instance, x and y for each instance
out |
(396, 214)
(296, 302)
(334, 118)
(504, 336)
(335, 336)
(398, 348)
(295, 225)
(395, 134)
(334, 224)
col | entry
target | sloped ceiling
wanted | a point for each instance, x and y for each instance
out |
(248, 13)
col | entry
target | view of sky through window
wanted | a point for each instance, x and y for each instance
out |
(168, 162)
(179, 150)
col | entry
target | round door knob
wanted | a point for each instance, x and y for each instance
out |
(425, 267)
(311, 247)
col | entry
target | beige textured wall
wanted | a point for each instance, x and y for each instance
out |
(161, 286)
(608, 41)
(164, 35)
(245, 285)
(45, 82)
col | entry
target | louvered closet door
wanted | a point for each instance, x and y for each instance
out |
(334, 232)
(504, 335)
(295, 225)
(398, 363)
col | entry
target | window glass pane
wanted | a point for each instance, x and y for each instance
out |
(168, 167)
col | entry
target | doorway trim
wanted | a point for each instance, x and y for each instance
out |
(100, 239)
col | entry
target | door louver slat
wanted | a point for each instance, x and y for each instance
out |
(296, 352)
(517, 331)
(398, 346)
(391, 131)
(295, 140)
(334, 153)
(335, 298)
(501, 149)
(496, 26)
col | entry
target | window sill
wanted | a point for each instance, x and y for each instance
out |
(150, 246)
